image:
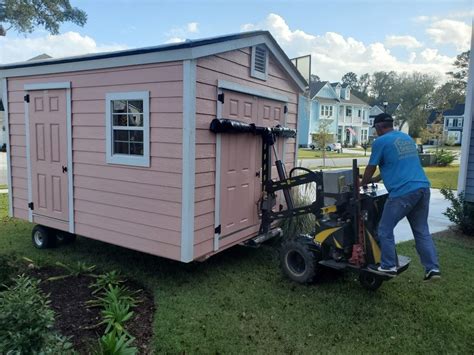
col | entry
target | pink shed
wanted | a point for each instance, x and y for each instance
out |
(116, 146)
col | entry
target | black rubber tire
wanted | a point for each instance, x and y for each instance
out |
(370, 281)
(43, 237)
(299, 261)
(65, 237)
(312, 146)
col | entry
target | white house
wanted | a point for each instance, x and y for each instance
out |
(391, 109)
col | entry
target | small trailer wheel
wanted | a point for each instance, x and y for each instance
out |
(299, 261)
(370, 281)
(43, 237)
(65, 237)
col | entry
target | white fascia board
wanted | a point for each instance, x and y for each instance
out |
(7, 132)
(229, 85)
(158, 57)
(47, 86)
(189, 161)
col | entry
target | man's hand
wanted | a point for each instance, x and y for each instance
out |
(369, 172)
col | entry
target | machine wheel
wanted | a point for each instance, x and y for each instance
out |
(43, 237)
(299, 261)
(370, 281)
(65, 237)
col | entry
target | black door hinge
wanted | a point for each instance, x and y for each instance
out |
(220, 97)
(64, 169)
(217, 230)
(31, 206)
(27, 98)
(285, 109)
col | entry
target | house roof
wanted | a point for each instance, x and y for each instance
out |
(354, 100)
(457, 110)
(391, 107)
(316, 86)
(40, 57)
(190, 49)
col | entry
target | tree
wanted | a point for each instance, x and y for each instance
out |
(350, 79)
(382, 86)
(461, 72)
(314, 78)
(362, 89)
(322, 137)
(446, 96)
(413, 92)
(24, 15)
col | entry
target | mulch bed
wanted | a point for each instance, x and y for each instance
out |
(75, 319)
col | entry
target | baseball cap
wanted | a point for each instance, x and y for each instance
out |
(382, 117)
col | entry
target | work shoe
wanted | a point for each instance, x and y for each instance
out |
(377, 269)
(432, 275)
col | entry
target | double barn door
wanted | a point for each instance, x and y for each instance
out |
(241, 160)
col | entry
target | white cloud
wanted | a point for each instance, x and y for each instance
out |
(451, 32)
(63, 45)
(333, 55)
(179, 34)
(402, 41)
(192, 27)
(421, 19)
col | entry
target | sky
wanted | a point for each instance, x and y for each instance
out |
(341, 35)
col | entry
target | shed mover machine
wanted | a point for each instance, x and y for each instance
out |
(346, 215)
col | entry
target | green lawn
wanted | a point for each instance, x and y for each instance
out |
(239, 302)
(317, 154)
(3, 187)
(443, 176)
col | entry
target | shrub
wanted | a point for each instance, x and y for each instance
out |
(444, 157)
(7, 269)
(115, 343)
(461, 213)
(26, 320)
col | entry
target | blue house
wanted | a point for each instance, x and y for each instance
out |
(345, 114)
(453, 123)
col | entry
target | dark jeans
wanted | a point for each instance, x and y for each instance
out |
(414, 206)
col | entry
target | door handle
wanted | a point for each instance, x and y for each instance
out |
(64, 169)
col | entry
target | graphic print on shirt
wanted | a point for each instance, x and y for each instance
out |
(405, 148)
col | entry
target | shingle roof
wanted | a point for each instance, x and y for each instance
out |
(458, 110)
(316, 86)
(391, 107)
(324, 100)
(354, 100)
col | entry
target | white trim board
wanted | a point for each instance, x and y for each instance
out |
(47, 86)
(189, 160)
(158, 57)
(217, 191)
(7, 132)
(467, 121)
(28, 159)
(229, 85)
(70, 176)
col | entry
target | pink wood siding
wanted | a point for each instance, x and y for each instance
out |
(231, 66)
(138, 208)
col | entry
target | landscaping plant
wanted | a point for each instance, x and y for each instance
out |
(115, 315)
(444, 157)
(74, 270)
(26, 320)
(461, 213)
(115, 343)
(102, 282)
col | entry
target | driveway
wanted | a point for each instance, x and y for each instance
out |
(3, 168)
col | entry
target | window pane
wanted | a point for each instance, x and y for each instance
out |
(136, 148)
(136, 136)
(121, 148)
(135, 106)
(135, 120)
(119, 106)
(120, 120)
(120, 135)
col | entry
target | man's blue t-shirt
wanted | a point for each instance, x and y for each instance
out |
(397, 157)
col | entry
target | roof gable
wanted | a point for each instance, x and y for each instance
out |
(178, 51)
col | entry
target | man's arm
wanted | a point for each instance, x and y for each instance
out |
(369, 172)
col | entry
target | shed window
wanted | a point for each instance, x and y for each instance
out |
(127, 121)
(259, 66)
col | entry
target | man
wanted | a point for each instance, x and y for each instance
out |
(409, 196)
